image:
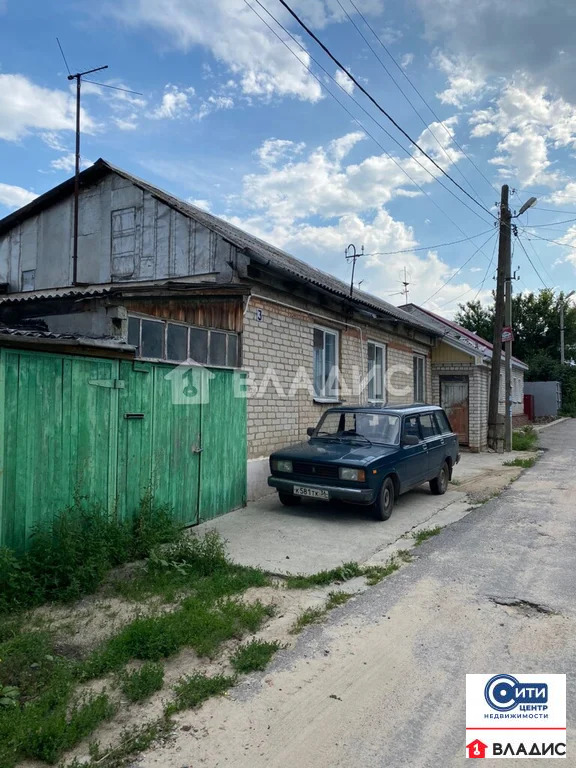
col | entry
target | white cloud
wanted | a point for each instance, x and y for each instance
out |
(406, 60)
(344, 81)
(236, 37)
(214, 103)
(200, 203)
(26, 107)
(346, 201)
(15, 197)
(67, 163)
(175, 103)
(566, 196)
(465, 81)
(531, 123)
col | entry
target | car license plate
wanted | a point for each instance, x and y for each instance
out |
(313, 493)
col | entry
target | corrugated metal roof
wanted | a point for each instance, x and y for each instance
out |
(55, 293)
(256, 248)
(31, 333)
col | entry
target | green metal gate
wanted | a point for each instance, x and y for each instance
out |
(107, 430)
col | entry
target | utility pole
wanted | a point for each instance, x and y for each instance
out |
(78, 77)
(354, 255)
(563, 302)
(495, 425)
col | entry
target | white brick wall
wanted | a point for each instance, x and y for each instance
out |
(283, 341)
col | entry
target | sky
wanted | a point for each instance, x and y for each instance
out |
(256, 124)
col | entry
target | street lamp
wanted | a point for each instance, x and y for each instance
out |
(562, 305)
(528, 204)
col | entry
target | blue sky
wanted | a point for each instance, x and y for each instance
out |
(231, 119)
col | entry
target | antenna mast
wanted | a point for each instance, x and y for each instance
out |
(354, 255)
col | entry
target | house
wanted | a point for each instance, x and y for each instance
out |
(476, 748)
(172, 283)
(461, 366)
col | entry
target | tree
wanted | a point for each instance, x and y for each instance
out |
(476, 318)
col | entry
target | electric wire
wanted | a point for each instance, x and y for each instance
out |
(408, 99)
(488, 268)
(351, 115)
(380, 107)
(113, 87)
(427, 247)
(424, 100)
(63, 56)
(460, 268)
(531, 262)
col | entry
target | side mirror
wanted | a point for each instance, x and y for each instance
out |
(310, 431)
(410, 440)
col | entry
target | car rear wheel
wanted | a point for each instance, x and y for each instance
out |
(439, 484)
(288, 499)
(385, 503)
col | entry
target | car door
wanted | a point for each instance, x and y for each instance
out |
(413, 467)
(433, 438)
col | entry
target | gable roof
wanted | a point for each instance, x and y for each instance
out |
(457, 333)
(257, 249)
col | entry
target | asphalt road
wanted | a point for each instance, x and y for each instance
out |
(382, 681)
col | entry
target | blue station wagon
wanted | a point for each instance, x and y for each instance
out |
(368, 455)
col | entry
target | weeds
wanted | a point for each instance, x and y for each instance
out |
(525, 439)
(192, 691)
(337, 598)
(425, 533)
(309, 616)
(253, 656)
(375, 573)
(70, 555)
(524, 463)
(140, 684)
(322, 578)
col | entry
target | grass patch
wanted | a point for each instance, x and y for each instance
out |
(525, 439)
(253, 656)
(194, 690)
(375, 573)
(140, 684)
(405, 555)
(69, 556)
(337, 598)
(44, 718)
(524, 463)
(196, 624)
(426, 533)
(309, 616)
(322, 578)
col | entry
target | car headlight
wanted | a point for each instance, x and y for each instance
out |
(346, 473)
(282, 465)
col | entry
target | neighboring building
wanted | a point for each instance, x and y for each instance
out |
(461, 366)
(174, 282)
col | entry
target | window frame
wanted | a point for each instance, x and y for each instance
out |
(166, 323)
(416, 359)
(384, 349)
(323, 397)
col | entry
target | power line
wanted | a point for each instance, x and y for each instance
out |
(428, 247)
(63, 56)
(531, 262)
(487, 269)
(453, 275)
(552, 224)
(379, 107)
(552, 210)
(535, 252)
(547, 239)
(113, 87)
(415, 109)
(352, 116)
(426, 103)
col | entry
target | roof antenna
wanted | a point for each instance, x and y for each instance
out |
(354, 255)
(78, 77)
(405, 291)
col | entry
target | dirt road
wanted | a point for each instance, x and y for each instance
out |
(381, 683)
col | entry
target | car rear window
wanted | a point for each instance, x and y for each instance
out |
(443, 423)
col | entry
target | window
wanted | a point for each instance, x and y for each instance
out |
(376, 371)
(443, 423)
(325, 364)
(376, 427)
(428, 425)
(28, 280)
(123, 242)
(411, 427)
(419, 363)
(163, 340)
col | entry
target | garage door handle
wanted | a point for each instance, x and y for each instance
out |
(197, 450)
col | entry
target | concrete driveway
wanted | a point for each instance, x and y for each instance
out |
(316, 536)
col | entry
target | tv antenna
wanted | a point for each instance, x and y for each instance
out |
(405, 283)
(78, 77)
(351, 253)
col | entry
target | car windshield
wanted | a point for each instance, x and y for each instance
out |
(360, 425)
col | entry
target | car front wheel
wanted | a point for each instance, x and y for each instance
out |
(439, 484)
(385, 501)
(288, 499)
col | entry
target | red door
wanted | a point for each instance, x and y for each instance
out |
(454, 400)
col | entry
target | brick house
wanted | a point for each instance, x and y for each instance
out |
(175, 283)
(460, 367)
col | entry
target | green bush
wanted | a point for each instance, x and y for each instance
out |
(253, 656)
(70, 555)
(525, 439)
(192, 691)
(142, 683)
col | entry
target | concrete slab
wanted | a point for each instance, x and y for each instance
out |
(316, 536)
